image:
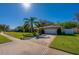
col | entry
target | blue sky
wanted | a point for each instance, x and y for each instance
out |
(13, 14)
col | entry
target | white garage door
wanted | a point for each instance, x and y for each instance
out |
(50, 31)
(69, 31)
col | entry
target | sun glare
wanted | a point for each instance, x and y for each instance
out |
(26, 5)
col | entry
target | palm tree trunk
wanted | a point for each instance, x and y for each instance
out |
(31, 26)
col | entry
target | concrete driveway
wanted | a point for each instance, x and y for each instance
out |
(29, 47)
(44, 39)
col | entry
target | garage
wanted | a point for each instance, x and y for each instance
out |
(51, 29)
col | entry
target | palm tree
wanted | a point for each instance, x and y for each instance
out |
(41, 23)
(30, 22)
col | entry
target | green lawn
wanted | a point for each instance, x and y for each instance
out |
(4, 39)
(66, 43)
(19, 34)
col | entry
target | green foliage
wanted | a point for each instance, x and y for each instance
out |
(19, 34)
(4, 27)
(59, 31)
(41, 31)
(29, 22)
(42, 23)
(19, 29)
(34, 33)
(68, 24)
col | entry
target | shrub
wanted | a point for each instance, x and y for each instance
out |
(59, 31)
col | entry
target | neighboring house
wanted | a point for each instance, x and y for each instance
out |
(51, 29)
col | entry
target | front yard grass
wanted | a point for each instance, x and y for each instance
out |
(19, 34)
(4, 39)
(66, 43)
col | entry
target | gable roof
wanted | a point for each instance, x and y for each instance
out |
(52, 26)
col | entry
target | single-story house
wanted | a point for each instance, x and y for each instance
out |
(56, 29)
(51, 29)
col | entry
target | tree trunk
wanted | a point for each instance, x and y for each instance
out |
(31, 26)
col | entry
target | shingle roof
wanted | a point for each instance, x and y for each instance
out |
(52, 26)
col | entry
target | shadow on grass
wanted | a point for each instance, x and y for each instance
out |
(67, 35)
(63, 50)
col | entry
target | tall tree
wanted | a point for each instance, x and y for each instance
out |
(30, 22)
(19, 29)
(4, 27)
(41, 23)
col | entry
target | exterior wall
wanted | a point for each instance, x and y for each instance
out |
(76, 30)
(50, 31)
(54, 31)
(69, 31)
